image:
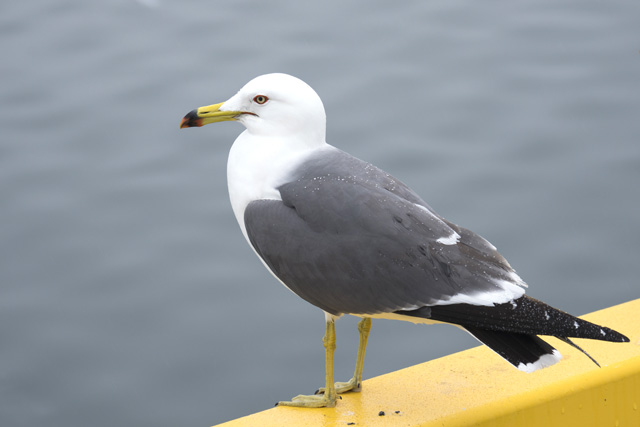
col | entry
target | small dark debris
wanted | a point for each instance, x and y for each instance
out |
(351, 424)
(381, 414)
(397, 412)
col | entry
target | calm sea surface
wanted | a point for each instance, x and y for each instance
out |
(128, 296)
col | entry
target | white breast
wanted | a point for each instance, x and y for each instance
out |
(257, 166)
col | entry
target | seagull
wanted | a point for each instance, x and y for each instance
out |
(350, 238)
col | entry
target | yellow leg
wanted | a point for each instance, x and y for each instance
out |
(355, 383)
(327, 399)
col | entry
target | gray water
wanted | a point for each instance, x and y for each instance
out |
(128, 296)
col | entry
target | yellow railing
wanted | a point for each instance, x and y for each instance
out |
(476, 388)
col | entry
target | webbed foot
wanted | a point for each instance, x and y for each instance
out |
(342, 387)
(313, 401)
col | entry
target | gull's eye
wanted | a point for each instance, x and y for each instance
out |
(260, 99)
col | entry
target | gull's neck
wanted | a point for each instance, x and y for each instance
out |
(258, 165)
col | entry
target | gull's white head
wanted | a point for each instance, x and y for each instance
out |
(272, 105)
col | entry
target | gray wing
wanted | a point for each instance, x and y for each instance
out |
(349, 238)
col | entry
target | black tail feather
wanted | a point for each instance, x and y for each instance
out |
(511, 329)
(525, 316)
(526, 352)
(576, 346)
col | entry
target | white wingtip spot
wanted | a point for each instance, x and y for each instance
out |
(449, 240)
(543, 362)
(506, 292)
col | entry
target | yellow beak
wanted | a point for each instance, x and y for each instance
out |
(209, 114)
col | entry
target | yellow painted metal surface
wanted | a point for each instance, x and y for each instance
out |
(477, 388)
